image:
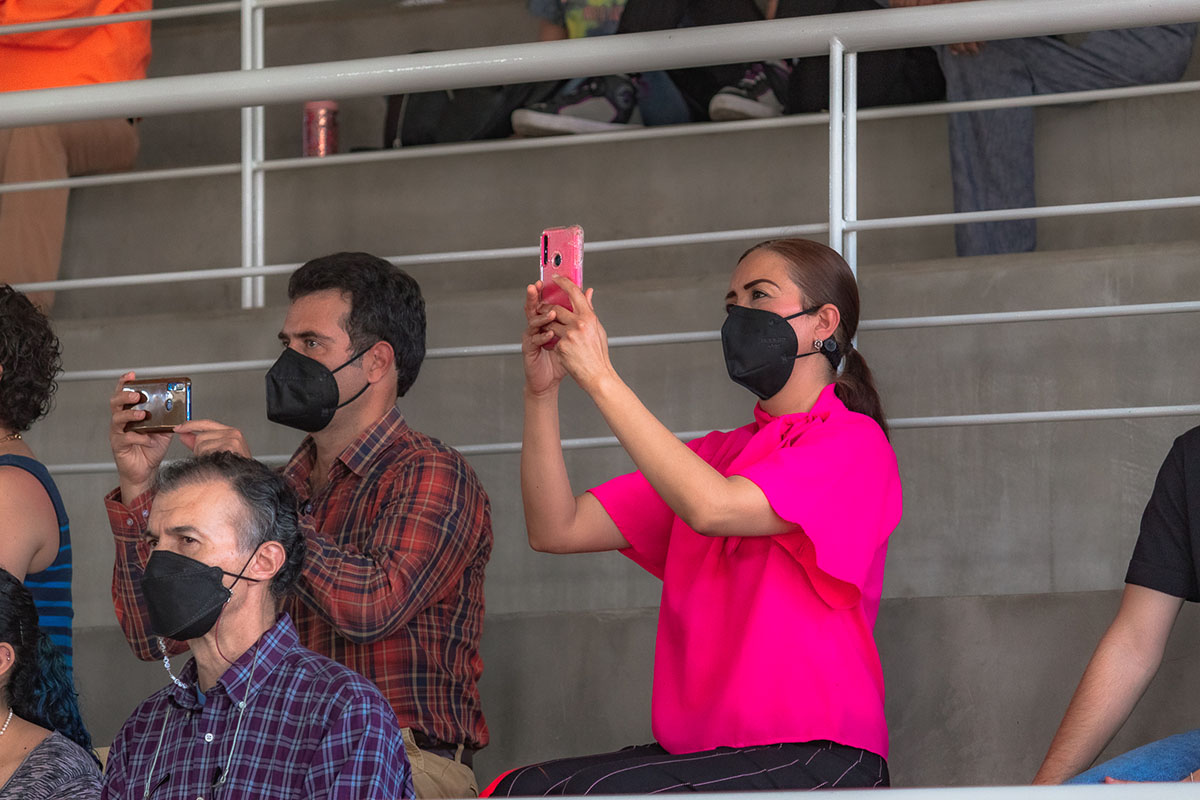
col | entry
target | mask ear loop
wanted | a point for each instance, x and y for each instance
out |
(236, 578)
(366, 385)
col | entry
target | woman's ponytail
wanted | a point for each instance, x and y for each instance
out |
(856, 388)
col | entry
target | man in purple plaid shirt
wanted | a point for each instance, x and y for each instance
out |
(253, 714)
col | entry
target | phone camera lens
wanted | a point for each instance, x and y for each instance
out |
(558, 259)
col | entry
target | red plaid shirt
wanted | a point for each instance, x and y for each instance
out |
(392, 586)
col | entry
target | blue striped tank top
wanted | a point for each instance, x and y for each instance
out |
(51, 588)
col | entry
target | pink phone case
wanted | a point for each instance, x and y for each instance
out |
(562, 254)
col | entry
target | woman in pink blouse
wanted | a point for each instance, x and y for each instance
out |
(769, 539)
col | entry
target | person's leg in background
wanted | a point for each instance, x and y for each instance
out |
(32, 224)
(1170, 759)
(991, 152)
(889, 77)
(698, 84)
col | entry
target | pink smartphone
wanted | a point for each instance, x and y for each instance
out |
(562, 254)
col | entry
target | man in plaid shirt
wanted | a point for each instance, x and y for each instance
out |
(398, 527)
(253, 714)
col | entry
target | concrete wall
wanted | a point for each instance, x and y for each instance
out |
(1008, 563)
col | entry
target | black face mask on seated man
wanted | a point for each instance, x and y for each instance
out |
(760, 348)
(184, 597)
(302, 392)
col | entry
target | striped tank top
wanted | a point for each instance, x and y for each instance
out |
(51, 588)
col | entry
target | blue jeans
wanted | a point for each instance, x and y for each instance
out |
(1170, 759)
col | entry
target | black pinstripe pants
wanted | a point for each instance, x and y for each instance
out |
(649, 769)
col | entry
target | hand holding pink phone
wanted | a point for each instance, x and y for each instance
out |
(561, 254)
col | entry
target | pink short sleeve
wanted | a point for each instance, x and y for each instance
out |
(840, 484)
(642, 518)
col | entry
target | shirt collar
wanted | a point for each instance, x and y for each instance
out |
(373, 441)
(827, 403)
(358, 455)
(246, 674)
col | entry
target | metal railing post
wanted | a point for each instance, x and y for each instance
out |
(850, 161)
(837, 220)
(260, 154)
(251, 122)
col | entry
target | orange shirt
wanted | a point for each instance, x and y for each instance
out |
(72, 56)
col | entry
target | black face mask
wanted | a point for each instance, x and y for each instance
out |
(760, 348)
(302, 392)
(184, 596)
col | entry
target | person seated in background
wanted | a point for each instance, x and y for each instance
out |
(36, 545)
(1164, 572)
(770, 539)
(45, 752)
(252, 714)
(767, 89)
(991, 152)
(397, 525)
(32, 223)
(587, 105)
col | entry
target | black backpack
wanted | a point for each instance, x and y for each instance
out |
(459, 115)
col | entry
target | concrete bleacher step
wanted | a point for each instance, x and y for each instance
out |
(616, 188)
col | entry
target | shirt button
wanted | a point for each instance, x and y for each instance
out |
(208, 737)
(129, 521)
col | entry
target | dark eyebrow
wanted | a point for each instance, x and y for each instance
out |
(752, 284)
(760, 280)
(283, 337)
(183, 530)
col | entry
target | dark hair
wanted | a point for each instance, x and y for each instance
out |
(31, 357)
(824, 277)
(385, 304)
(39, 687)
(270, 505)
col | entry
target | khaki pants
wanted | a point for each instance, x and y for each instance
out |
(32, 223)
(435, 776)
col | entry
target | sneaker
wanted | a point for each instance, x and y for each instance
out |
(755, 96)
(599, 104)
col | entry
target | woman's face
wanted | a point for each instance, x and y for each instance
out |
(761, 281)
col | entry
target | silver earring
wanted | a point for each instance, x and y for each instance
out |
(817, 344)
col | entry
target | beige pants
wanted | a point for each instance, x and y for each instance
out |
(435, 776)
(32, 223)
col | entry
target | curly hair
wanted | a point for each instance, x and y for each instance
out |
(30, 356)
(272, 513)
(39, 688)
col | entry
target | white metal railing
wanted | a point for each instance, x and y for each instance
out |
(840, 35)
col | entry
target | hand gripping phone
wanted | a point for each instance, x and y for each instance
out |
(562, 254)
(168, 402)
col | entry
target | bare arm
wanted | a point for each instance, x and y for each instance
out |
(31, 539)
(555, 520)
(1126, 659)
(550, 32)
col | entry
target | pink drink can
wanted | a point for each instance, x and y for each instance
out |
(320, 128)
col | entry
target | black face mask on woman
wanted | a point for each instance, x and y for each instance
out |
(302, 392)
(184, 596)
(760, 348)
